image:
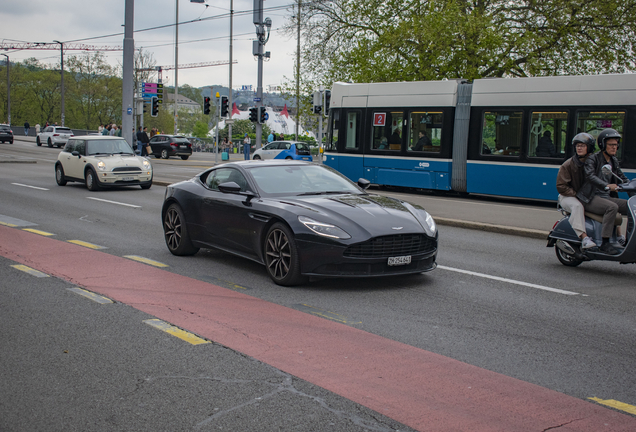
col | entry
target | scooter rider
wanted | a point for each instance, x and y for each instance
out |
(570, 179)
(594, 196)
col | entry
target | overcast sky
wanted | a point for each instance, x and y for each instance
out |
(70, 20)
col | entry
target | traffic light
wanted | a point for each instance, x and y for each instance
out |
(262, 115)
(254, 114)
(206, 105)
(154, 112)
(224, 106)
(317, 105)
(327, 101)
(145, 110)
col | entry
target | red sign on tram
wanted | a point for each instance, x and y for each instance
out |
(379, 119)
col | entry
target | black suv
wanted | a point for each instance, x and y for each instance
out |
(164, 146)
(6, 134)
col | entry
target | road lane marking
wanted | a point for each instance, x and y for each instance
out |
(13, 222)
(324, 313)
(113, 202)
(29, 270)
(615, 404)
(177, 332)
(34, 231)
(95, 297)
(511, 281)
(28, 186)
(86, 244)
(146, 260)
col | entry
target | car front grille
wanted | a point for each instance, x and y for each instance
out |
(392, 246)
(127, 169)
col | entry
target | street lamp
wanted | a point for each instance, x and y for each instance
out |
(62, 64)
(8, 92)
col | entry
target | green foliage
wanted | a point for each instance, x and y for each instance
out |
(407, 40)
(200, 129)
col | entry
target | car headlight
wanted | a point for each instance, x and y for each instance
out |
(430, 222)
(101, 166)
(323, 229)
(146, 164)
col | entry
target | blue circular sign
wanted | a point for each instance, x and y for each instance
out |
(129, 111)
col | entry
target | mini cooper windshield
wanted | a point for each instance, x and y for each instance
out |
(96, 147)
(301, 180)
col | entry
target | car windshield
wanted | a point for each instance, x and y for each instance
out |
(301, 180)
(119, 146)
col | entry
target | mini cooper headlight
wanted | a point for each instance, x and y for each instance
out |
(146, 164)
(101, 166)
(324, 229)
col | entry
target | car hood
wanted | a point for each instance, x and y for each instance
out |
(119, 161)
(375, 214)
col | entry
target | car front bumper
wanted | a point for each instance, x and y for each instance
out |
(124, 178)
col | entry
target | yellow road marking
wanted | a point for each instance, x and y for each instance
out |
(146, 260)
(7, 224)
(175, 331)
(34, 231)
(29, 270)
(86, 244)
(95, 297)
(326, 314)
(615, 404)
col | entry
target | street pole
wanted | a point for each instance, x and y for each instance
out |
(257, 50)
(218, 120)
(298, 71)
(62, 67)
(127, 93)
(8, 92)
(176, 67)
(229, 98)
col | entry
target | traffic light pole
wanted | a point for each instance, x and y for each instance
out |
(218, 120)
(257, 50)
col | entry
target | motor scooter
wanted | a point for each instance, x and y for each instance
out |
(567, 244)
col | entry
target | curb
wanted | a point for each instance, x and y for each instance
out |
(500, 229)
(18, 161)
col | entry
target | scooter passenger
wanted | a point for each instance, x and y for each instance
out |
(570, 179)
(593, 194)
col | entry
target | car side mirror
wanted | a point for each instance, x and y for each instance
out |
(76, 153)
(364, 183)
(229, 187)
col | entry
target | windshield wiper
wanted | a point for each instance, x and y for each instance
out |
(324, 193)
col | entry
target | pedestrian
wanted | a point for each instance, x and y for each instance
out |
(246, 146)
(119, 131)
(270, 137)
(105, 131)
(145, 142)
(37, 128)
(281, 137)
(225, 145)
(27, 126)
(100, 129)
(113, 129)
(139, 138)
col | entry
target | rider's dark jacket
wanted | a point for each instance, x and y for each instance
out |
(571, 176)
(594, 181)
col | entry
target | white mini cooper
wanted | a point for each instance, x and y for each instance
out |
(102, 161)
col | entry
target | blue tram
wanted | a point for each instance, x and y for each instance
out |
(498, 136)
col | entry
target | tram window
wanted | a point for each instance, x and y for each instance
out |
(593, 122)
(353, 129)
(548, 134)
(425, 131)
(335, 126)
(387, 130)
(501, 133)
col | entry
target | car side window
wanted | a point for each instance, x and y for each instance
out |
(284, 146)
(270, 146)
(224, 175)
(80, 147)
(68, 148)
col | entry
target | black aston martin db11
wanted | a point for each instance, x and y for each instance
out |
(298, 219)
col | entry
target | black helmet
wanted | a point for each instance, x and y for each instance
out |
(605, 135)
(584, 138)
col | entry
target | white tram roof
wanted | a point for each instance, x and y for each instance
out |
(615, 89)
(395, 94)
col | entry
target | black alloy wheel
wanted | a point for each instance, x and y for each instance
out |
(59, 175)
(281, 256)
(90, 178)
(176, 232)
(566, 259)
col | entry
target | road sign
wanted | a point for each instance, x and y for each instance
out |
(129, 111)
(257, 99)
(229, 121)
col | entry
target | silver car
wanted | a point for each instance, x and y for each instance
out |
(54, 136)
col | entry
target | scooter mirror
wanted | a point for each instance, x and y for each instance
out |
(607, 169)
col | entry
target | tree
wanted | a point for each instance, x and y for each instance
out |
(406, 40)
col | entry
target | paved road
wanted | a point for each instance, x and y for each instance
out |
(567, 330)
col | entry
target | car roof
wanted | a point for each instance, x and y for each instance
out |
(268, 162)
(97, 137)
(171, 136)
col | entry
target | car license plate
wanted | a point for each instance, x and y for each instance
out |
(184, 146)
(401, 260)
(128, 178)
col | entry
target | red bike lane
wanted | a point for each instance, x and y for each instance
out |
(423, 390)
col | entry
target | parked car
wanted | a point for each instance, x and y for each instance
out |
(102, 161)
(54, 136)
(6, 134)
(298, 219)
(164, 146)
(284, 150)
